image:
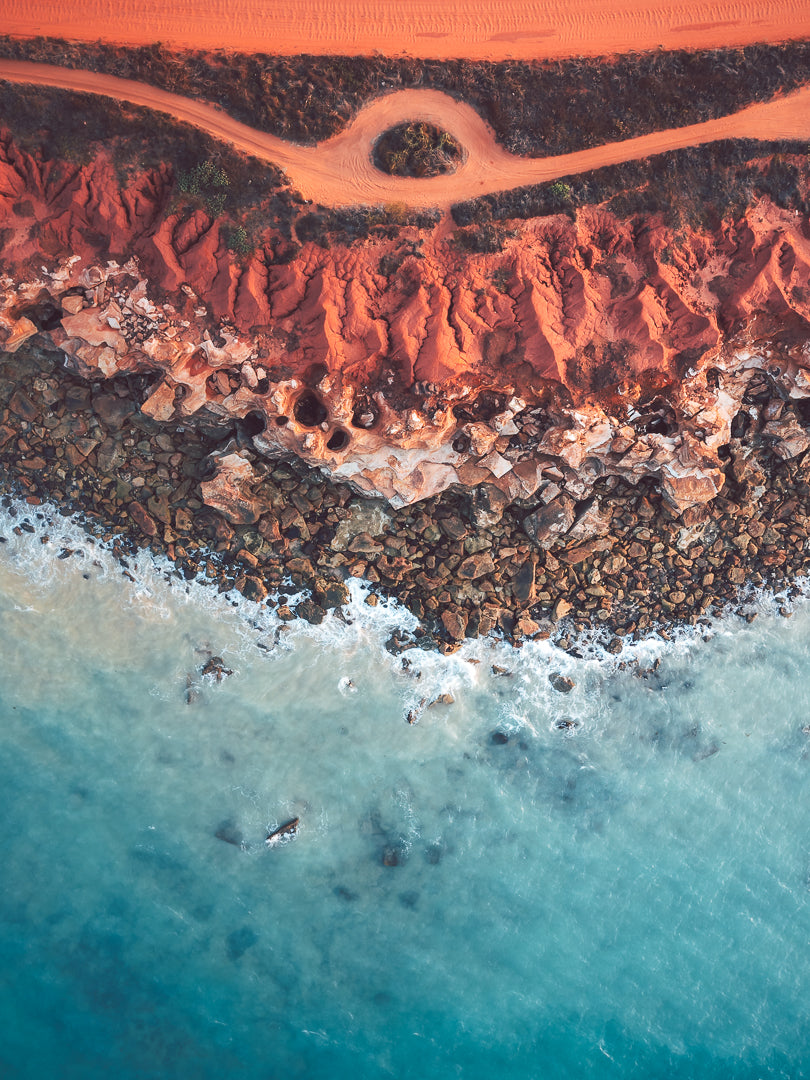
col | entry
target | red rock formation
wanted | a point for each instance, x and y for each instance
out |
(581, 341)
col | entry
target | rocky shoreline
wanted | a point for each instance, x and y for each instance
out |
(467, 562)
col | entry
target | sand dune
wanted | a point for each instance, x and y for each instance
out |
(479, 29)
(339, 171)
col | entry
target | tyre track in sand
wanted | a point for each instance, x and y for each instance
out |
(339, 172)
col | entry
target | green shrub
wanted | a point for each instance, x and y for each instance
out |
(208, 182)
(239, 241)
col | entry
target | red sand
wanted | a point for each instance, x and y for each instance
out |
(480, 29)
(339, 172)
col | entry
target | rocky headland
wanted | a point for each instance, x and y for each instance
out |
(584, 416)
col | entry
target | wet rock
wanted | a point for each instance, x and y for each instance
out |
(215, 668)
(561, 683)
(282, 834)
(391, 856)
(499, 738)
(192, 695)
(334, 594)
(442, 699)
(254, 589)
(312, 612)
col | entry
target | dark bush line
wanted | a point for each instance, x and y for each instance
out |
(62, 125)
(536, 108)
(689, 185)
(417, 149)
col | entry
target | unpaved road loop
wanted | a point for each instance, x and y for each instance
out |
(339, 171)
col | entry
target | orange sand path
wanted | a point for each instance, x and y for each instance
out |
(339, 171)
(480, 29)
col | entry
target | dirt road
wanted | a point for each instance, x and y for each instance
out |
(339, 171)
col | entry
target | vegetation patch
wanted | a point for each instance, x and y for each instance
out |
(416, 149)
(696, 187)
(585, 102)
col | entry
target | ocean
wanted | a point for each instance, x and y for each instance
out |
(611, 882)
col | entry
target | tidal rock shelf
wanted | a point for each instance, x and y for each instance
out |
(465, 561)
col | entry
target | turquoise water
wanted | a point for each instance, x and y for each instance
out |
(623, 898)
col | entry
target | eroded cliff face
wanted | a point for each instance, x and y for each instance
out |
(584, 347)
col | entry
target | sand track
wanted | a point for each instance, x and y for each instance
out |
(339, 171)
(478, 29)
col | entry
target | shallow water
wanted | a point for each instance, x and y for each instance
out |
(626, 897)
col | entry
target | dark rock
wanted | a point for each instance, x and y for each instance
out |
(561, 683)
(285, 832)
(22, 405)
(390, 856)
(476, 566)
(334, 594)
(523, 583)
(240, 941)
(77, 398)
(112, 411)
(229, 834)
(499, 738)
(254, 589)
(434, 854)
(487, 505)
(550, 522)
(364, 544)
(215, 667)
(312, 612)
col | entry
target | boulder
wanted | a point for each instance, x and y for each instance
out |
(312, 612)
(561, 683)
(550, 522)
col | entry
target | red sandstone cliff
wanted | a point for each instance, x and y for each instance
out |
(580, 339)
